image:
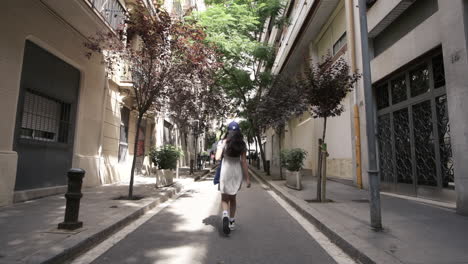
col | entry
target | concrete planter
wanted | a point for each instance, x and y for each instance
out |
(293, 179)
(164, 178)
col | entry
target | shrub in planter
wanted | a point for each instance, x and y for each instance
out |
(293, 160)
(165, 158)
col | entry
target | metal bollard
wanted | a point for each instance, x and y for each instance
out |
(73, 196)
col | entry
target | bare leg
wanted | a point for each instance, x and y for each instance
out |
(232, 206)
(225, 202)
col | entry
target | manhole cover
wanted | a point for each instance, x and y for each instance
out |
(360, 201)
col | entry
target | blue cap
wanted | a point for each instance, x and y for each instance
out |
(233, 126)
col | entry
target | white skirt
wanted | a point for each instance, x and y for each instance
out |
(231, 175)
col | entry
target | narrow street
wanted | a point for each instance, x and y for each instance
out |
(187, 231)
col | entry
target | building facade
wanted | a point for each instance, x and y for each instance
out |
(307, 39)
(60, 109)
(418, 66)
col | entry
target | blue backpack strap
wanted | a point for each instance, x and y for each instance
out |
(218, 173)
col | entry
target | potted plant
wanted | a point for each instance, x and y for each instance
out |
(165, 158)
(293, 160)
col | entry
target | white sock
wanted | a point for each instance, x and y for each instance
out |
(225, 213)
(231, 219)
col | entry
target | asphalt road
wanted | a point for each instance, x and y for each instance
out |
(188, 231)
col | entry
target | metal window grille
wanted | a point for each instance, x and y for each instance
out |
(414, 129)
(45, 118)
(112, 11)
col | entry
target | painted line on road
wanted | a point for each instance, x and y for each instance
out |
(333, 250)
(101, 248)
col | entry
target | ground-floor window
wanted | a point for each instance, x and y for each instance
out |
(123, 141)
(413, 126)
(44, 118)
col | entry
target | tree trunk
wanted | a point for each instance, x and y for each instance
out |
(135, 149)
(197, 166)
(187, 156)
(324, 129)
(279, 149)
(320, 162)
(248, 151)
(262, 153)
(319, 172)
(256, 153)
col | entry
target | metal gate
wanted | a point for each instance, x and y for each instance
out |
(415, 154)
(45, 119)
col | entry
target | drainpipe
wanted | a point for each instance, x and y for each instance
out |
(352, 51)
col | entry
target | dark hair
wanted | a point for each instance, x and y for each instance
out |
(235, 144)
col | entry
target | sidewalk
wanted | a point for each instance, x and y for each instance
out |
(29, 231)
(414, 232)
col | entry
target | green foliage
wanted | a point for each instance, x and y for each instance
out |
(166, 157)
(293, 159)
(210, 139)
(235, 27)
(229, 27)
(247, 130)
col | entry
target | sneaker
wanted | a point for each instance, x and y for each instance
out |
(226, 228)
(232, 225)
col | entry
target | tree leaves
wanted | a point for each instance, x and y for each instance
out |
(325, 85)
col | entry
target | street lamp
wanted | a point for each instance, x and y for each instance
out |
(372, 171)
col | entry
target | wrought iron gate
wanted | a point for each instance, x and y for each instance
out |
(415, 155)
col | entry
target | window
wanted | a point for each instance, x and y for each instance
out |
(339, 44)
(44, 118)
(123, 142)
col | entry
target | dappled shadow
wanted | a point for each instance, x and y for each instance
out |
(189, 231)
(30, 227)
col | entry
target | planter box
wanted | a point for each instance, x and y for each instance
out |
(164, 178)
(293, 179)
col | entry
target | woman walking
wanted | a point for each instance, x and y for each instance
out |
(232, 150)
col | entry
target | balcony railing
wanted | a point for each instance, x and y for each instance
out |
(112, 11)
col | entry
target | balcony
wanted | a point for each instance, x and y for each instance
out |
(111, 11)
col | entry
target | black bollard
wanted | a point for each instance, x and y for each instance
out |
(73, 195)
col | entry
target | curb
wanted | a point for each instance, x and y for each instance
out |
(87, 243)
(344, 245)
(205, 174)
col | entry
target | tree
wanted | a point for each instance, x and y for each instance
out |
(282, 101)
(248, 131)
(326, 85)
(235, 28)
(159, 53)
